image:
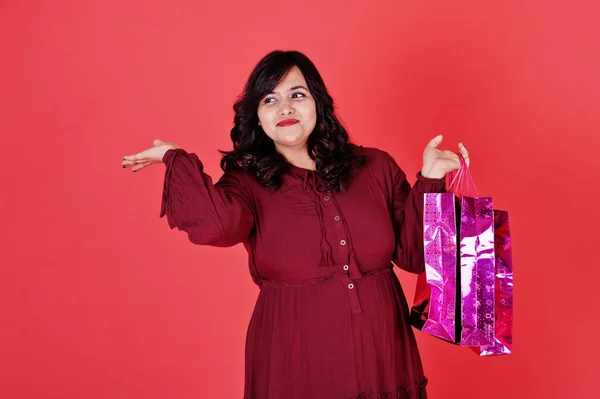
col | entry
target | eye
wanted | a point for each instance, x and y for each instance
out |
(268, 100)
(300, 93)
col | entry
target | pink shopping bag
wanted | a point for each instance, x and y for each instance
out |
(454, 298)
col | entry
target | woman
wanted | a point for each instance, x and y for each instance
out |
(321, 219)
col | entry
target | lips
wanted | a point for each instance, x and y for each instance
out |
(287, 122)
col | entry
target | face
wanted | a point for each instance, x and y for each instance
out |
(288, 115)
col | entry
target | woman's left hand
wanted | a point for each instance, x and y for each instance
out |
(436, 163)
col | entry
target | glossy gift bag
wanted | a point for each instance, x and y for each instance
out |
(454, 298)
(502, 343)
(437, 299)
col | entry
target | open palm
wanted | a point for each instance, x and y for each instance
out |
(148, 157)
(436, 162)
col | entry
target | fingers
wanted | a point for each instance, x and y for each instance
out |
(463, 151)
(133, 163)
(142, 159)
(434, 142)
(140, 156)
(136, 165)
(140, 166)
(131, 160)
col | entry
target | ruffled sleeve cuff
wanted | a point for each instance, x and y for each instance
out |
(169, 154)
(431, 185)
(176, 179)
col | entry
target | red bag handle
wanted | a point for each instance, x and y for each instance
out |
(461, 178)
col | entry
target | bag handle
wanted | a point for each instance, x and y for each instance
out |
(461, 178)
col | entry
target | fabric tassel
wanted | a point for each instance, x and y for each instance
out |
(325, 253)
(325, 247)
(311, 181)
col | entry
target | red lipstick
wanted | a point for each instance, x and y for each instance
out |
(287, 122)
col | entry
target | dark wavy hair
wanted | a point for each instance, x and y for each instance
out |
(328, 144)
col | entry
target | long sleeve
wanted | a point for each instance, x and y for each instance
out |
(218, 215)
(407, 213)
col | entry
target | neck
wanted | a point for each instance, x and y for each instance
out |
(297, 157)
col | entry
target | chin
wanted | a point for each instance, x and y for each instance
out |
(293, 139)
(292, 143)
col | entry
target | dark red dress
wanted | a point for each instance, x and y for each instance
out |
(331, 320)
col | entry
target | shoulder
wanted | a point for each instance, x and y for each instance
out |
(240, 177)
(378, 159)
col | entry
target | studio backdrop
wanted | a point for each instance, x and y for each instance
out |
(99, 299)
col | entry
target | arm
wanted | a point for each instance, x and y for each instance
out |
(218, 215)
(407, 214)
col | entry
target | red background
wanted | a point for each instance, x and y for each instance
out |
(99, 299)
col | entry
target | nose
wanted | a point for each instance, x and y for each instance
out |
(286, 107)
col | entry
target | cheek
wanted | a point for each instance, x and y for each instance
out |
(265, 113)
(261, 116)
(267, 122)
(309, 112)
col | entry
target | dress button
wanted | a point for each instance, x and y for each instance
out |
(337, 218)
(326, 198)
(350, 285)
(343, 242)
(346, 267)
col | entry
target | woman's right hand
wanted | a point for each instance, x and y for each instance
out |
(148, 157)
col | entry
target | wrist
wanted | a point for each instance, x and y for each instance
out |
(432, 173)
(162, 158)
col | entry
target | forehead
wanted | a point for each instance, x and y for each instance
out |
(293, 78)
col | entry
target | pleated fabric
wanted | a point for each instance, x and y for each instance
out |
(331, 319)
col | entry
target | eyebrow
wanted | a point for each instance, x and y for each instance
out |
(293, 88)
